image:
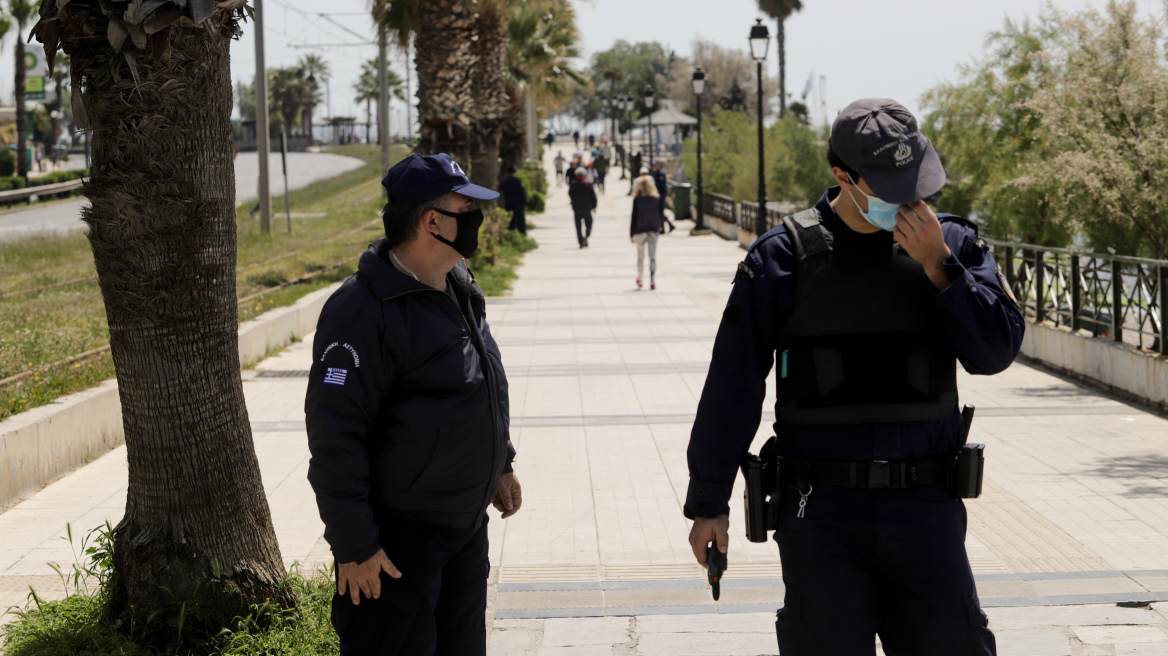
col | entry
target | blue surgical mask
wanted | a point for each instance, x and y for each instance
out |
(880, 214)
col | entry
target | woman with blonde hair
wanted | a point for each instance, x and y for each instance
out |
(645, 226)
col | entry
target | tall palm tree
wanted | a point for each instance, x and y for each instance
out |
(290, 94)
(492, 102)
(157, 97)
(781, 10)
(314, 68)
(367, 89)
(21, 12)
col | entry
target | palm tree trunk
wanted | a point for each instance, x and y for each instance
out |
(491, 100)
(21, 110)
(368, 118)
(446, 61)
(781, 41)
(162, 229)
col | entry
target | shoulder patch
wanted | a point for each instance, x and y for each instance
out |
(744, 268)
(1006, 287)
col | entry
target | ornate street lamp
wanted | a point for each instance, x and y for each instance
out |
(649, 102)
(699, 87)
(759, 44)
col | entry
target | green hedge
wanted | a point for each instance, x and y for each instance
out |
(536, 202)
(11, 182)
(58, 176)
(535, 180)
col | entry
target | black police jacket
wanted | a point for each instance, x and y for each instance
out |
(407, 407)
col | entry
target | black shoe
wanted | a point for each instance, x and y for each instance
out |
(585, 242)
(582, 244)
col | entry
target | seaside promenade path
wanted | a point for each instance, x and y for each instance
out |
(605, 380)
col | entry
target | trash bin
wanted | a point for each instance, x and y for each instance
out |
(681, 201)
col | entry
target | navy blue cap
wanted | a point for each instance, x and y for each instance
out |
(880, 140)
(419, 178)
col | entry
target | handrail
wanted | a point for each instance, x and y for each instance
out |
(29, 192)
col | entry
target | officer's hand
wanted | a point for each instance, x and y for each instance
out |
(706, 530)
(919, 233)
(509, 496)
(365, 578)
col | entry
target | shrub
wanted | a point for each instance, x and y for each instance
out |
(536, 202)
(533, 177)
(7, 161)
(11, 182)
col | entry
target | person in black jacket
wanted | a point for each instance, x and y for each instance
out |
(514, 200)
(645, 227)
(407, 417)
(583, 198)
(661, 181)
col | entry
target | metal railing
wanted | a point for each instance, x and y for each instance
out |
(748, 215)
(719, 206)
(16, 195)
(1114, 296)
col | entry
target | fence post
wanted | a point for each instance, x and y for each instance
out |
(1163, 286)
(1116, 300)
(1076, 294)
(1010, 270)
(1039, 283)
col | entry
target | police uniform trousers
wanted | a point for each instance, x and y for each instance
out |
(892, 563)
(583, 225)
(438, 606)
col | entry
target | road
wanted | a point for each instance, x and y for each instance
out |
(303, 169)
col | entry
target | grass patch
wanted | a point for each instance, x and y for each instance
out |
(495, 275)
(89, 623)
(53, 324)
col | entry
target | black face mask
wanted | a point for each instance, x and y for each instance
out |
(466, 242)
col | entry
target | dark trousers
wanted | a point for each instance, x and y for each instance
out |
(518, 221)
(437, 607)
(887, 562)
(584, 218)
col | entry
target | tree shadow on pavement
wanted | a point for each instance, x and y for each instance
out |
(1054, 391)
(1147, 469)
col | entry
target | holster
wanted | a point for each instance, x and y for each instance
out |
(765, 488)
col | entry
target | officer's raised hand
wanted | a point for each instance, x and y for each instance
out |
(919, 233)
(707, 530)
(365, 578)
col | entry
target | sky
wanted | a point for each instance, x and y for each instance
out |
(888, 48)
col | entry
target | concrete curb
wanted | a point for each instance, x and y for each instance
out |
(42, 444)
(1119, 368)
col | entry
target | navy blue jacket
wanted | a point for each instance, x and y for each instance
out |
(660, 180)
(985, 328)
(407, 406)
(514, 195)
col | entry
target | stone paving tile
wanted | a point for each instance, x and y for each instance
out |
(598, 631)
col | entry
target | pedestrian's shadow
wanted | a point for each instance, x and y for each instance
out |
(1137, 467)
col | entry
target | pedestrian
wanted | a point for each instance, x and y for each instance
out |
(583, 197)
(661, 181)
(635, 165)
(577, 162)
(560, 161)
(600, 164)
(868, 301)
(514, 200)
(549, 139)
(576, 138)
(591, 140)
(407, 421)
(645, 226)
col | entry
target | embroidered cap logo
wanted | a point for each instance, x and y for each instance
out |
(903, 155)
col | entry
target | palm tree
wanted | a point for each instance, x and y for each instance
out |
(367, 89)
(21, 12)
(781, 10)
(157, 97)
(314, 68)
(289, 94)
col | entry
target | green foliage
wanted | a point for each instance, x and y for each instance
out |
(7, 161)
(58, 176)
(797, 169)
(534, 179)
(541, 42)
(12, 181)
(633, 66)
(499, 252)
(83, 623)
(536, 202)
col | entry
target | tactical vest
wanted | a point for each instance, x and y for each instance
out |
(865, 342)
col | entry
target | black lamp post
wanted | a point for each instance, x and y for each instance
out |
(649, 101)
(699, 87)
(759, 44)
(624, 102)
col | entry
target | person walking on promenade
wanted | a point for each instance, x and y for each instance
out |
(583, 197)
(576, 138)
(865, 303)
(636, 168)
(645, 226)
(549, 139)
(560, 161)
(514, 200)
(600, 164)
(660, 180)
(591, 141)
(407, 421)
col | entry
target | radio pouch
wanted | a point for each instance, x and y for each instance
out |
(968, 471)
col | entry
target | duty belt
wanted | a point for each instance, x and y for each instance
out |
(869, 475)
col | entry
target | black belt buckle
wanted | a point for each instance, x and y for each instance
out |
(879, 474)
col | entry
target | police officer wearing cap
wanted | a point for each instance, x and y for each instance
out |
(864, 305)
(407, 422)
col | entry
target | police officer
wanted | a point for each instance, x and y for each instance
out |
(407, 421)
(863, 304)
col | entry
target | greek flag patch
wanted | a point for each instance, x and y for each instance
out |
(335, 376)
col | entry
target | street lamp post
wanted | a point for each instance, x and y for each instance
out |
(759, 44)
(699, 87)
(649, 102)
(628, 106)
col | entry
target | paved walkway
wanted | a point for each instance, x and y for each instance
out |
(604, 382)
